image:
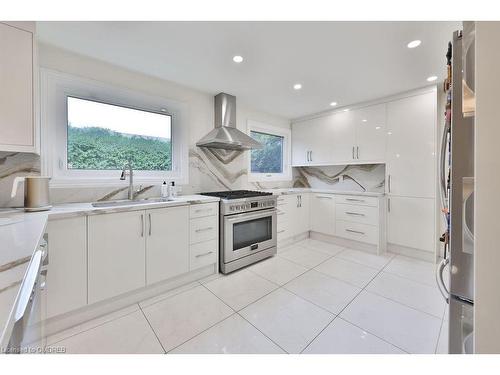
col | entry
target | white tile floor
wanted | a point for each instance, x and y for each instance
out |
(313, 297)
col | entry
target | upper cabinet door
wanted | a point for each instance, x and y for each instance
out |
(343, 137)
(310, 142)
(411, 159)
(17, 131)
(370, 123)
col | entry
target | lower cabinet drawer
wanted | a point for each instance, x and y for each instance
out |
(357, 199)
(202, 210)
(357, 214)
(203, 229)
(282, 233)
(358, 232)
(202, 254)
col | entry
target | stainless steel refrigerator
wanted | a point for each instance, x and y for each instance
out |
(457, 192)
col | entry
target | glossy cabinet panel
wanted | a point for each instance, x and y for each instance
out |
(116, 254)
(343, 140)
(67, 274)
(322, 213)
(370, 123)
(167, 243)
(411, 222)
(411, 146)
(17, 125)
(308, 142)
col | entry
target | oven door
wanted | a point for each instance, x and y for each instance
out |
(248, 233)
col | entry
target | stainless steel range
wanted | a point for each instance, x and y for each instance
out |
(247, 231)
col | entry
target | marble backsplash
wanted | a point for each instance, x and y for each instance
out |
(364, 177)
(209, 170)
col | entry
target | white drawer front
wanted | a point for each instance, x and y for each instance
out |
(202, 210)
(357, 199)
(357, 214)
(357, 232)
(203, 229)
(202, 254)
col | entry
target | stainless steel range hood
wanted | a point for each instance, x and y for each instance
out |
(225, 135)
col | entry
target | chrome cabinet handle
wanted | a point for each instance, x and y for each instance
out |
(388, 204)
(389, 182)
(354, 231)
(280, 213)
(203, 229)
(149, 224)
(310, 156)
(323, 197)
(203, 209)
(354, 214)
(353, 152)
(354, 200)
(357, 152)
(281, 231)
(142, 225)
(204, 254)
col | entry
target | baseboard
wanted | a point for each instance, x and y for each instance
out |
(59, 323)
(411, 252)
(291, 240)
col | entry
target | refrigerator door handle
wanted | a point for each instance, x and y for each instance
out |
(440, 281)
(442, 168)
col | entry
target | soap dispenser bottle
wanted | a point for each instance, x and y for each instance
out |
(171, 190)
(164, 190)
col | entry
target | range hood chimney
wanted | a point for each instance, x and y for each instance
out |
(225, 135)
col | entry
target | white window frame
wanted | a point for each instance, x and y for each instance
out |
(261, 127)
(56, 87)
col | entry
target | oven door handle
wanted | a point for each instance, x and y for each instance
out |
(249, 216)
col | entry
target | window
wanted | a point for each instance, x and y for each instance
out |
(93, 129)
(268, 159)
(104, 136)
(271, 162)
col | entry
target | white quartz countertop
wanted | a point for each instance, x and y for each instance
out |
(86, 209)
(324, 191)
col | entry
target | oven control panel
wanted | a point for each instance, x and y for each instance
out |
(250, 205)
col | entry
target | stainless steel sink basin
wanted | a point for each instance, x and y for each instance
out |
(128, 202)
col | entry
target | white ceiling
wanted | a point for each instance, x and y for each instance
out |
(346, 62)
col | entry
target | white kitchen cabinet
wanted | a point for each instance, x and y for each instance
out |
(343, 137)
(411, 146)
(67, 271)
(167, 243)
(308, 142)
(300, 214)
(370, 123)
(322, 213)
(17, 71)
(116, 254)
(411, 222)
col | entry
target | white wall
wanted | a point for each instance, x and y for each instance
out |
(487, 197)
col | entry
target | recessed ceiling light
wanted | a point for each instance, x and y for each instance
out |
(346, 110)
(432, 78)
(163, 110)
(238, 59)
(377, 127)
(414, 43)
(297, 86)
(389, 133)
(333, 104)
(364, 120)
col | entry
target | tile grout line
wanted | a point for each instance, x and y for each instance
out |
(152, 329)
(237, 312)
(348, 304)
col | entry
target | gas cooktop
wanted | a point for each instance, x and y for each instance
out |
(236, 194)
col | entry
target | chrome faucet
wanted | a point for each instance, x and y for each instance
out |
(128, 165)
